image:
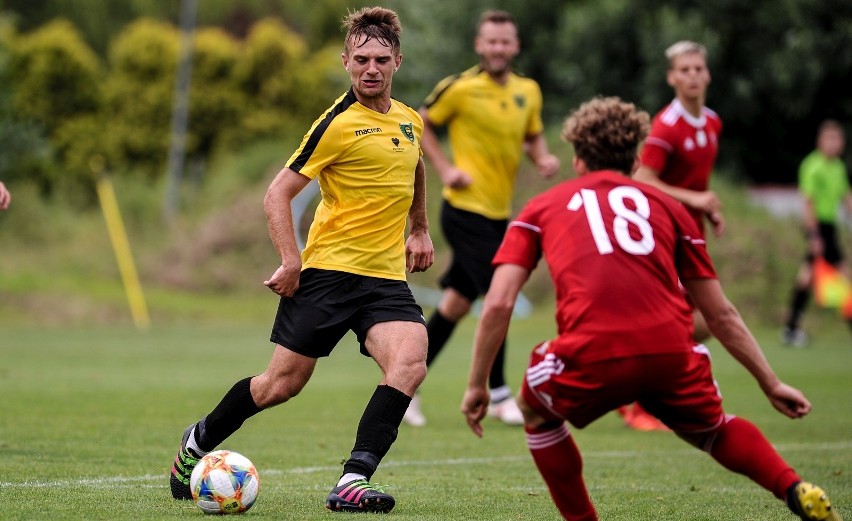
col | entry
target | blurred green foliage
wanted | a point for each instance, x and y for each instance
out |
(778, 68)
(85, 83)
(138, 96)
(53, 83)
(25, 147)
(81, 117)
(56, 76)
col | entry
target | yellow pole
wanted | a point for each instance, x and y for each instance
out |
(121, 247)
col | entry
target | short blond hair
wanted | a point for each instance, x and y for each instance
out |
(684, 47)
(606, 133)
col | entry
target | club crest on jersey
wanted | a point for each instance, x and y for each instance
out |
(520, 101)
(407, 131)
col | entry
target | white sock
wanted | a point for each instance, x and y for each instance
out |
(501, 393)
(351, 476)
(191, 444)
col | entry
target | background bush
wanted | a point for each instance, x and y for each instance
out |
(265, 68)
(87, 88)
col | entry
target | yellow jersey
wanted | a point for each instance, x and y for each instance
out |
(487, 125)
(364, 162)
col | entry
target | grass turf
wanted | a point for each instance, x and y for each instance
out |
(91, 417)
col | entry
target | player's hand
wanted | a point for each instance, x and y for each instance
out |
(789, 400)
(547, 166)
(419, 252)
(474, 406)
(706, 201)
(717, 221)
(285, 280)
(455, 178)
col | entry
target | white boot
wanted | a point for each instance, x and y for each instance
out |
(413, 415)
(507, 412)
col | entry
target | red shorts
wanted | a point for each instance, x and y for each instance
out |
(677, 388)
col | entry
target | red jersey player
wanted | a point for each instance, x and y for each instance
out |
(616, 249)
(678, 157)
(681, 149)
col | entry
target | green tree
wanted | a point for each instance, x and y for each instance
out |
(56, 81)
(215, 103)
(27, 153)
(283, 81)
(139, 93)
(56, 75)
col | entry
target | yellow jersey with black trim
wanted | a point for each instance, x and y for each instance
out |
(364, 162)
(487, 124)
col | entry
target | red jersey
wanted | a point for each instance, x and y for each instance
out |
(683, 148)
(615, 248)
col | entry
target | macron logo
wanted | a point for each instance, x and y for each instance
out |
(365, 131)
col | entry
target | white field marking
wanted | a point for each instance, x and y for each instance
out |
(108, 482)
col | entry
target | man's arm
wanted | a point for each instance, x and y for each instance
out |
(727, 326)
(279, 219)
(546, 163)
(419, 252)
(5, 197)
(431, 145)
(490, 331)
(707, 201)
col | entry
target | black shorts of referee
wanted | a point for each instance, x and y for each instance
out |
(831, 251)
(474, 240)
(328, 304)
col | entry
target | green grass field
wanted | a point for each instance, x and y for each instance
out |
(91, 417)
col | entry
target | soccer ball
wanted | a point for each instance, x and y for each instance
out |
(224, 482)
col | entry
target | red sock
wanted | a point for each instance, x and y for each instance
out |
(560, 464)
(740, 446)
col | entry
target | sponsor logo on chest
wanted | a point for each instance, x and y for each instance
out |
(365, 131)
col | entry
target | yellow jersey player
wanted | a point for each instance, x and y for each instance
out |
(493, 116)
(365, 153)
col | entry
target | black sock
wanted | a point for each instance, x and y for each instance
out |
(438, 330)
(792, 502)
(236, 407)
(377, 430)
(497, 378)
(798, 302)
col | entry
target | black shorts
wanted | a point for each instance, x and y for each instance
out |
(830, 245)
(328, 304)
(474, 240)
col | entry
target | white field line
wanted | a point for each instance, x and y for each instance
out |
(609, 454)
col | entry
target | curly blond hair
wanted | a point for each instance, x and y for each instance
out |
(373, 22)
(606, 132)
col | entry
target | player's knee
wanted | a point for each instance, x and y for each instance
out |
(406, 375)
(454, 306)
(531, 418)
(269, 392)
(415, 373)
(701, 440)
